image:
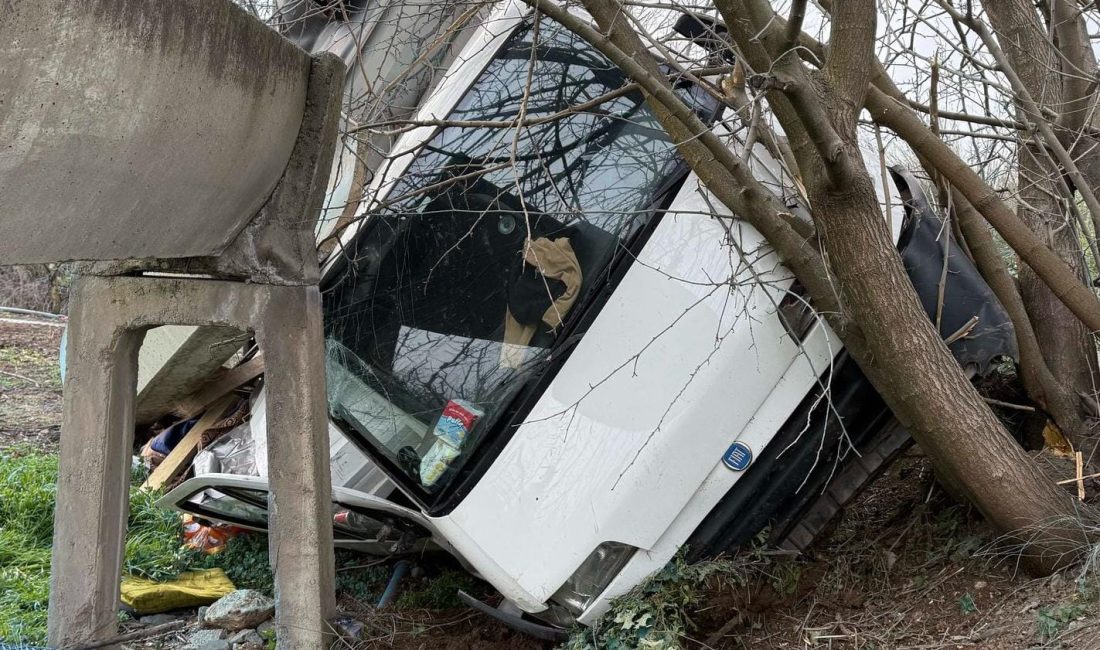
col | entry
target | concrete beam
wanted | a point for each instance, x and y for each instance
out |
(136, 129)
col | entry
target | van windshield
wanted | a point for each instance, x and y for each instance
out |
(486, 250)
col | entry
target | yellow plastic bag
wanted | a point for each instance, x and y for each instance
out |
(190, 589)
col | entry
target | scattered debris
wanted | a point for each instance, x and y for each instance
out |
(241, 609)
(179, 459)
(207, 640)
(347, 628)
(230, 381)
(208, 538)
(144, 633)
(157, 619)
(246, 640)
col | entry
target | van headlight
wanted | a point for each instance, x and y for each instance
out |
(592, 577)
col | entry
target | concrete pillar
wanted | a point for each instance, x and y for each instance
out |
(108, 320)
(93, 483)
(300, 500)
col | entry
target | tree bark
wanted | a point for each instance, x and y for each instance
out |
(1067, 345)
(1041, 385)
(908, 362)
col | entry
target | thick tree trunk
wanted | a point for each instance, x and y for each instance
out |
(1067, 345)
(1039, 382)
(914, 371)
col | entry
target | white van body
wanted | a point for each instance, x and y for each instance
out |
(682, 375)
(626, 444)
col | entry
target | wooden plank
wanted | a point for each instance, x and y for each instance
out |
(1080, 479)
(198, 401)
(181, 455)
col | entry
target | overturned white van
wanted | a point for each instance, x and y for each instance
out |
(570, 361)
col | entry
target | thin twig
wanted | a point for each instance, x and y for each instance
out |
(1008, 405)
(962, 331)
(17, 376)
(1080, 478)
(146, 633)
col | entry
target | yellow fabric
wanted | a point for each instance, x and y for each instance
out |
(555, 259)
(190, 589)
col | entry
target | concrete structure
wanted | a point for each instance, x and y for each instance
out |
(176, 360)
(177, 138)
(189, 97)
(106, 325)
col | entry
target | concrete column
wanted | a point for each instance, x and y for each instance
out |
(94, 478)
(108, 318)
(291, 337)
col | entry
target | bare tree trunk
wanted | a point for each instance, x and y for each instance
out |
(1067, 345)
(1039, 382)
(923, 385)
(909, 363)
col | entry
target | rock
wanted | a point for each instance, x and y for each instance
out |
(207, 640)
(157, 619)
(247, 640)
(238, 610)
(239, 635)
(202, 613)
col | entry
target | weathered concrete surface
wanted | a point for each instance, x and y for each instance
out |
(157, 349)
(94, 475)
(108, 319)
(299, 472)
(136, 129)
(191, 362)
(179, 136)
(278, 244)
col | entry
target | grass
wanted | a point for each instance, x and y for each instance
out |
(31, 364)
(439, 590)
(26, 529)
(153, 545)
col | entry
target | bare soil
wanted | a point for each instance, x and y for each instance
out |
(905, 567)
(30, 383)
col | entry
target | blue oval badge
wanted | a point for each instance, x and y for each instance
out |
(738, 457)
